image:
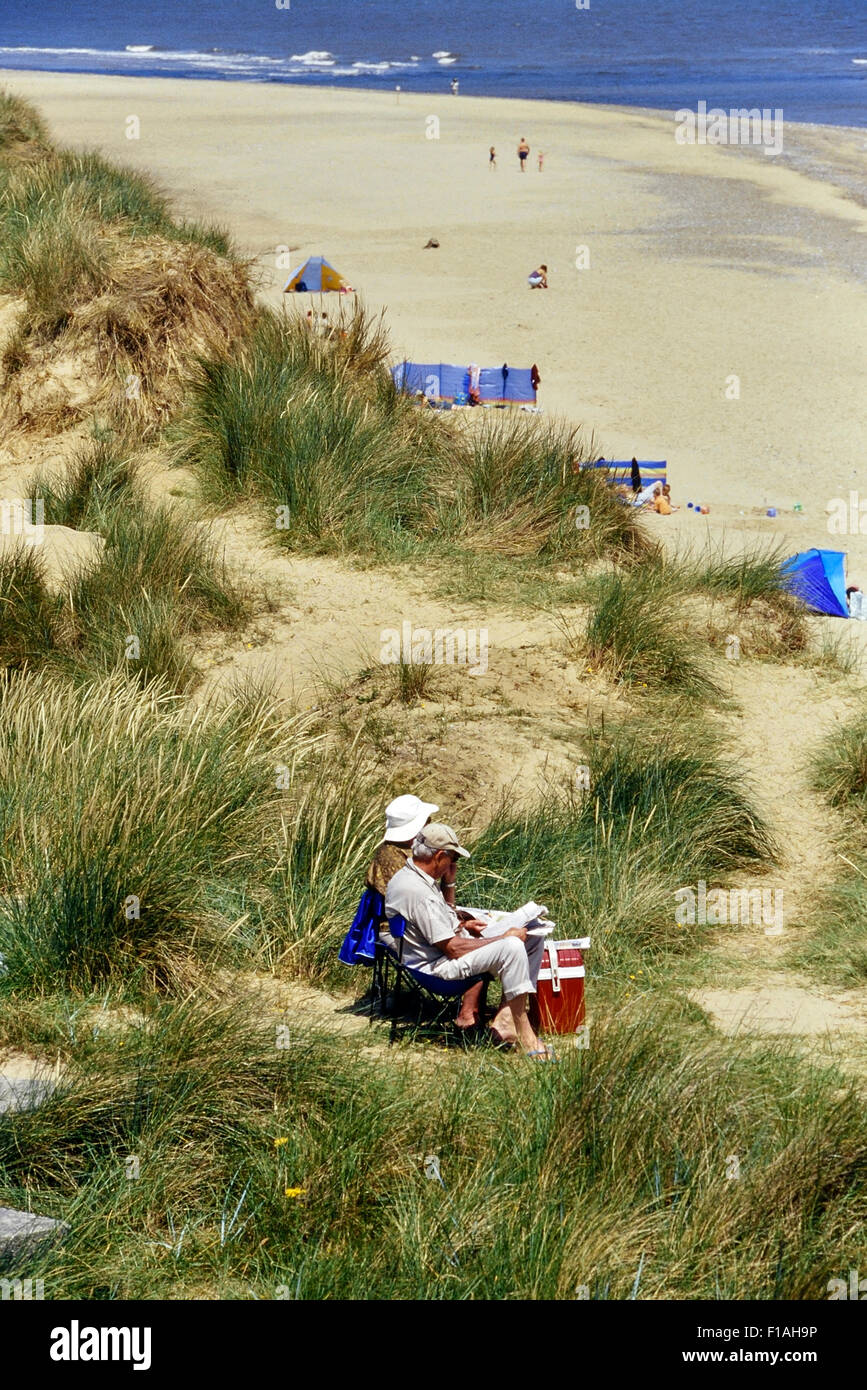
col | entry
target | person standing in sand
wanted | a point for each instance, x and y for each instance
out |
(541, 159)
(523, 152)
(492, 159)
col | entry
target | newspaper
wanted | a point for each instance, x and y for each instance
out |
(498, 923)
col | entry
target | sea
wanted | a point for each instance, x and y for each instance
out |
(807, 58)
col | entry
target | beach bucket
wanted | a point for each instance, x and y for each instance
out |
(689, 505)
(798, 507)
(704, 510)
(772, 511)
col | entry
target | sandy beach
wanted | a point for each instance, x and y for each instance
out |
(704, 262)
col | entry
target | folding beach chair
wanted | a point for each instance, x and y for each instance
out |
(419, 984)
(363, 945)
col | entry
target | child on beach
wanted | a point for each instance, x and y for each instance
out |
(541, 158)
(492, 158)
(661, 504)
(538, 279)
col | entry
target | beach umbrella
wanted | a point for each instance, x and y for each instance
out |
(316, 276)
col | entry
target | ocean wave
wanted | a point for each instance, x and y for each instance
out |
(152, 52)
(90, 52)
(442, 53)
(316, 58)
(231, 64)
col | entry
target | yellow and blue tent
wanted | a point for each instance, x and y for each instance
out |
(315, 276)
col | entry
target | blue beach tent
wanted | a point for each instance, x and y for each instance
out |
(818, 578)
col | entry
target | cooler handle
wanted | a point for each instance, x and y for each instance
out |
(555, 968)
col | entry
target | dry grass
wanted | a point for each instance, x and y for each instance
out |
(119, 298)
(136, 315)
(165, 305)
(23, 136)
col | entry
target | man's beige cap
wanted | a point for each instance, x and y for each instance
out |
(439, 836)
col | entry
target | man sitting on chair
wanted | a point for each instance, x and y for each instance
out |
(441, 942)
(404, 818)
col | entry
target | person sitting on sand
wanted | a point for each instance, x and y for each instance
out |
(404, 818)
(647, 496)
(538, 279)
(441, 942)
(856, 603)
(661, 504)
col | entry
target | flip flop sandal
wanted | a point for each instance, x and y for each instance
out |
(543, 1054)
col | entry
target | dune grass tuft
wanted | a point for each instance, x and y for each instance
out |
(636, 633)
(315, 426)
(29, 615)
(158, 582)
(606, 859)
(107, 272)
(837, 947)
(119, 808)
(23, 133)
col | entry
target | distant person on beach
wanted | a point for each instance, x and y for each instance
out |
(856, 601)
(661, 504)
(538, 279)
(492, 158)
(541, 158)
(635, 476)
(454, 86)
(523, 152)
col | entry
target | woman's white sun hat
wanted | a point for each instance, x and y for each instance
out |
(405, 816)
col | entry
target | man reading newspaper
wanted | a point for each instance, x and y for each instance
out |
(456, 943)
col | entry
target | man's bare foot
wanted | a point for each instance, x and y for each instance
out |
(503, 1027)
(469, 1020)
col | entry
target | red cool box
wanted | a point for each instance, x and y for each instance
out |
(560, 990)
